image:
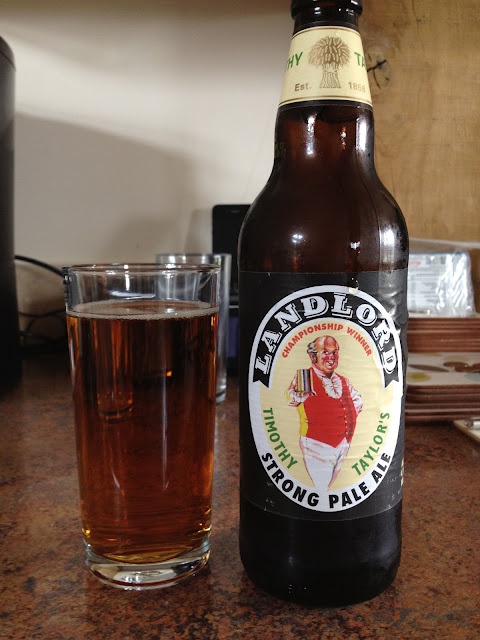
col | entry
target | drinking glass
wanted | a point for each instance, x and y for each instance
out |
(224, 261)
(142, 341)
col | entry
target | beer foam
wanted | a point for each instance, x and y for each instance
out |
(140, 309)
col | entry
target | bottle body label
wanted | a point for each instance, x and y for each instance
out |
(322, 417)
(326, 63)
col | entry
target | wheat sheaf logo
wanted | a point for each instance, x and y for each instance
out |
(330, 53)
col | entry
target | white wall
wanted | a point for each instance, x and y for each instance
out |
(135, 117)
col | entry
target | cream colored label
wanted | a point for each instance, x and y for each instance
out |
(326, 63)
(326, 445)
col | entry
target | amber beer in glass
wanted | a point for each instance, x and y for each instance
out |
(142, 343)
(323, 257)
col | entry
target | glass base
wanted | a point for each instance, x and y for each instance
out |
(221, 395)
(140, 577)
(221, 384)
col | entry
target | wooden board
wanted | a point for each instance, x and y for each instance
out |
(427, 109)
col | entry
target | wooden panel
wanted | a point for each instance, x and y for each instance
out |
(427, 107)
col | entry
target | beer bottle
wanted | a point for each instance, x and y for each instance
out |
(323, 256)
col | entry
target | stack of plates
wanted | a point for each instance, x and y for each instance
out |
(428, 334)
(443, 386)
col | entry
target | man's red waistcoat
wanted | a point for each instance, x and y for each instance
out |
(330, 420)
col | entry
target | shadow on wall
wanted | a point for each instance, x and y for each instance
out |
(97, 197)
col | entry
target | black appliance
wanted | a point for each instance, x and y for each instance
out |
(10, 357)
(227, 220)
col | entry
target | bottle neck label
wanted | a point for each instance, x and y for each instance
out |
(322, 420)
(326, 64)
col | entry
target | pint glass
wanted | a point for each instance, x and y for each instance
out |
(224, 260)
(142, 342)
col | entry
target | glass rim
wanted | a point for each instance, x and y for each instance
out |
(191, 254)
(138, 268)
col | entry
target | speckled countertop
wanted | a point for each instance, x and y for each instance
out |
(46, 592)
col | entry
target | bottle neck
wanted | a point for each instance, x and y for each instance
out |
(331, 135)
(329, 12)
(325, 113)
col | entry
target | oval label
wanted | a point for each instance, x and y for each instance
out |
(325, 396)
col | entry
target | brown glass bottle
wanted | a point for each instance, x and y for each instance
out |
(324, 224)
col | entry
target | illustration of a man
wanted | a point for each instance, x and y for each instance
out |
(328, 413)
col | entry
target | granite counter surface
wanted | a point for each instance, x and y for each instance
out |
(46, 592)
